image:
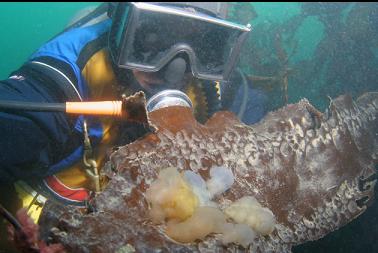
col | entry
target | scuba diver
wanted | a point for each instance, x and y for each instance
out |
(149, 47)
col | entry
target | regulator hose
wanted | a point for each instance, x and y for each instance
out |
(32, 106)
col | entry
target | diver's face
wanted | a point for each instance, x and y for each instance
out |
(171, 76)
(150, 81)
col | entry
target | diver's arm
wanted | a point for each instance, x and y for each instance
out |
(31, 141)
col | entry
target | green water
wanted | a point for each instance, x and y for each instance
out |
(309, 33)
(275, 11)
(26, 26)
(280, 12)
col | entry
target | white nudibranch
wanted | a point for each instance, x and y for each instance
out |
(221, 180)
(205, 220)
(198, 185)
(237, 233)
(248, 210)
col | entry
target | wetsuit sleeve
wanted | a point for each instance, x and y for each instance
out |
(31, 141)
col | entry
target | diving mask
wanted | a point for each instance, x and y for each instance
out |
(145, 37)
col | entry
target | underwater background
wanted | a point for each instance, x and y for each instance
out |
(317, 51)
(295, 50)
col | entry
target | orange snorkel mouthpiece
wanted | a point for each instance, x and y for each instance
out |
(132, 108)
(110, 108)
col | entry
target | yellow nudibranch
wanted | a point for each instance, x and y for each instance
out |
(171, 197)
(184, 202)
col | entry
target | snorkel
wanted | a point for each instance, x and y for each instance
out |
(130, 108)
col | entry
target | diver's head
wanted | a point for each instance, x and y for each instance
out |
(162, 42)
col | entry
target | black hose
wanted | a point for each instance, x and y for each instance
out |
(10, 218)
(31, 106)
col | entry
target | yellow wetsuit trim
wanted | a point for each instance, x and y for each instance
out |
(100, 77)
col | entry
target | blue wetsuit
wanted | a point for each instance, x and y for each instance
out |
(240, 97)
(255, 107)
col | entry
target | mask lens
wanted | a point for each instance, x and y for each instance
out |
(156, 36)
